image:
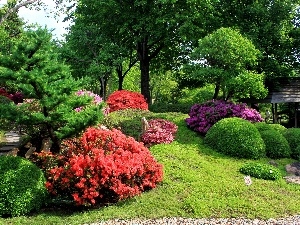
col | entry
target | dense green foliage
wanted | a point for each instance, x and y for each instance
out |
(276, 144)
(128, 120)
(292, 135)
(162, 107)
(22, 186)
(278, 127)
(261, 171)
(236, 137)
(33, 65)
(272, 27)
(227, 58)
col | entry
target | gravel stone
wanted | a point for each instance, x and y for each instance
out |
(292, 220)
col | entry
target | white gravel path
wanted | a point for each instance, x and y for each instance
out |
(292, 220)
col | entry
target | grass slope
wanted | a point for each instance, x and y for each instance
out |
(198, 183)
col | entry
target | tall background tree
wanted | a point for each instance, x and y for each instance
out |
(269, 25)
(146, 27)
(225, 58)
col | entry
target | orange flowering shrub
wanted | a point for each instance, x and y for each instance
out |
(101, 166)
(124, 99)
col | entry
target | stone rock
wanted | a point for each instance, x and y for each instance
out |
(292, 179)
(293, 168)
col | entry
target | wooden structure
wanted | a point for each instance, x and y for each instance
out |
(283, 90)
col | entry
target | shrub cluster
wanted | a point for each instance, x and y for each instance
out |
(281, 129)
(16, 97)
(261, 171)
(203, 116)
(124, 99)
(276, 145)
(159, 131)
(236, 137)
(162, 107)
(128, 121)
(101, 166)
(22, 186)
(292, 135)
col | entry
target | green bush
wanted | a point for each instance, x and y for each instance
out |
(292, 135)
(296, 153)
(262, 126)
(22, 186)
(128, 120)
(261, 171)
(276, 145)
(161, 107)
(236, 137)
(278, 127)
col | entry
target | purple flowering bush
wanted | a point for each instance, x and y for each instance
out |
(159, 131)
(204, 116)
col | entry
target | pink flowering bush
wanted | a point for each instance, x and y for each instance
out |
(124, 99)
(96, 98)
(159, 131)
(204, 116)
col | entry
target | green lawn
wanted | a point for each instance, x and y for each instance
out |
(198, 183)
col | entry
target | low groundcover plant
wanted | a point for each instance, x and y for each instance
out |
(99, 167)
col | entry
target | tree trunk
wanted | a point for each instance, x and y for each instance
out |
(121, 78)
(143, 54)
(55, 148)
(217, 90)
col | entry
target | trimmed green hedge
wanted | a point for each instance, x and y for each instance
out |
(292, 135)
(236, 137)
(22, 186)
(276, 144)
(261, 171)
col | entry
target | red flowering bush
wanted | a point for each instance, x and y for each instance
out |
(124, 99)
(101, 166)
(159, 131)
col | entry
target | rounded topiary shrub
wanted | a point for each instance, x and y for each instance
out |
(124, 99)
(292, 135)
(205, 115)
(276, 144)
(236, 137)
(261, 171)
(278, 127)
(22, 186)
(102, 166)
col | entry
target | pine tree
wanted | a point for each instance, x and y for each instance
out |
(32, 65)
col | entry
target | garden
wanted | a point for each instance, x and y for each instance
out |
(138, 113)
(182, 165)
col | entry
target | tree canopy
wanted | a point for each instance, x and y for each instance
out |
(225, 58)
